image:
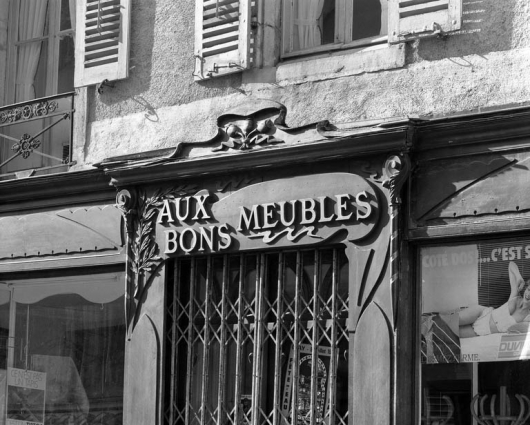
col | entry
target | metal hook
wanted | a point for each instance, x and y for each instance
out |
(104, 83)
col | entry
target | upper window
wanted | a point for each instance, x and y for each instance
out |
(230, 35)
(260, 338)
(314, 25)
(41, 49)
(474, 332)
(35, 129)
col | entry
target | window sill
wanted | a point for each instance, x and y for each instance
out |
(341, 64)
(327, 48)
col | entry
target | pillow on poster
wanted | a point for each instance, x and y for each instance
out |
(519, 328)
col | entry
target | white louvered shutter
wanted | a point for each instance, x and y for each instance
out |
(102, 41)
(413, 19)
(222, 37)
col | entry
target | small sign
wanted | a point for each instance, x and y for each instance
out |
(26, 393)
(303, 399)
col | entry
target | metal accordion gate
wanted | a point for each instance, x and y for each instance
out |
(259, 338)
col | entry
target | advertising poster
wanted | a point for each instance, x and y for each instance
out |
(303, 398)
(475, 302)
(26, 391)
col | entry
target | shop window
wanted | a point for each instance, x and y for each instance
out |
(474, 332)
(259, 338)
(62, 351)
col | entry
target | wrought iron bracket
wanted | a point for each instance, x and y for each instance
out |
(104, 83)
(216, 68)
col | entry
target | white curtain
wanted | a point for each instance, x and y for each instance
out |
(307, 22)
(32, 20)
(71, 4)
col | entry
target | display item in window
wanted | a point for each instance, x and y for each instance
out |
(479, 320)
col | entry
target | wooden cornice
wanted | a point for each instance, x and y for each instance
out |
(138, 169)
(55, 191)
(506, 129)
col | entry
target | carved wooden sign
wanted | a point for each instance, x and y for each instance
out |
(301, 210)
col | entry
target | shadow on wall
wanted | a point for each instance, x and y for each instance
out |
(140, 61)
(487, 26)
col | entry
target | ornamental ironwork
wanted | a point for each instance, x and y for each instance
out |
(25, 112)
(27, 138)
(26, 145)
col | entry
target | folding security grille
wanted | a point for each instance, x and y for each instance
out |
(259, 339)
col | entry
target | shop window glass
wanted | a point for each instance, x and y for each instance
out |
(474, 332)
(62, 359)
(260, 338)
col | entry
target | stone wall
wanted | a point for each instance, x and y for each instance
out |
(483, 65)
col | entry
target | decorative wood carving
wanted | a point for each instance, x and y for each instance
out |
(139, 213)
(257, 123)
(247, 133)
(396, 171)
(371, 251)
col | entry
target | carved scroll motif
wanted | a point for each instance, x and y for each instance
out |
(396, 171)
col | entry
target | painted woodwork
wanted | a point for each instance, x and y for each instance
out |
(356, 204)
(142, 377)
(187, 219)
(449, 191)
(64, 232)
(372, 368)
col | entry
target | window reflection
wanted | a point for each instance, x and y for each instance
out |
(66, 360)
(474, 332)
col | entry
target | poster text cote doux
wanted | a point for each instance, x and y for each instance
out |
(215, 232)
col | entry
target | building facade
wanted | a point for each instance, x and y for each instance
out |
(264, 212)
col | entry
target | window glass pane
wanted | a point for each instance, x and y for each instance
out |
(66, 364)
(31, 56)
(31, 72)
(32, 19)
(313, 23)
(67, 14)
(474, 323)
(65, 79)
(369, 18)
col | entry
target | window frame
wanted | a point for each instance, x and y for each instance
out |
(25, 292)
(53, 38)
(414, 335)
(343, 31)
